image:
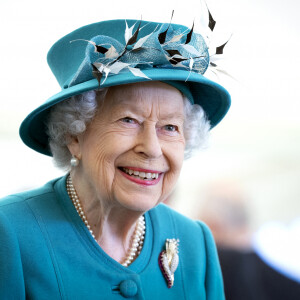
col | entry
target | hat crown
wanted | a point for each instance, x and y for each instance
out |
(71, 57)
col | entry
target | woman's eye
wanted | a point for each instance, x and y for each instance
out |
(128, 120)
(170, 127)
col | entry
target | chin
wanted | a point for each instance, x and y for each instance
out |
(138, 205)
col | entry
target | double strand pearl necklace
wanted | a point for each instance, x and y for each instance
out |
(137, 239)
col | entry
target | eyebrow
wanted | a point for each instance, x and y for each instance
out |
(138, 110)
(174, 115)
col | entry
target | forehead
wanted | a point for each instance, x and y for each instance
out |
(146, 97)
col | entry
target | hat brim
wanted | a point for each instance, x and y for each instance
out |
(212, 97)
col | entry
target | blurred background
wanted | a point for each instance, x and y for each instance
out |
(254, 152)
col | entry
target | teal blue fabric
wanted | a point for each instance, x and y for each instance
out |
(46, 252)
(70, 60)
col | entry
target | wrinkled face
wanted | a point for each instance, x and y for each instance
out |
(132, 152)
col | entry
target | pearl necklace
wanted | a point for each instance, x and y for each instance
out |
(137, 240)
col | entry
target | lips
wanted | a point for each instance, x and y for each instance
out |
(141, 176)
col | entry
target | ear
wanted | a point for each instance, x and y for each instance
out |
(74, 147)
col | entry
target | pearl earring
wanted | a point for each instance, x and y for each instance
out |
(74, 161)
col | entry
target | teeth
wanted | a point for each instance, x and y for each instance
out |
(142, 175)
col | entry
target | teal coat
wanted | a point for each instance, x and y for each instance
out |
(46, 252)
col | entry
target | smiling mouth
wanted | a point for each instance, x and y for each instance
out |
(140, 174)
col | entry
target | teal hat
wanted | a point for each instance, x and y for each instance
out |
(117, 52)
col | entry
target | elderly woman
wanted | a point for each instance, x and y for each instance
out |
(133, 104)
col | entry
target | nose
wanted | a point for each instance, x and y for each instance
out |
(148, 142)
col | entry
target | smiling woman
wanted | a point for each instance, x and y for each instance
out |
(101, 232)
(129, 132)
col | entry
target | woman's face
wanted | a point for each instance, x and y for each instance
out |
(132, 152)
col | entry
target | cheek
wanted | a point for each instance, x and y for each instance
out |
(99, 158)
(104, 151)
(174, 155)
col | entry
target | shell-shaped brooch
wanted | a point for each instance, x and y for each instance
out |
(168, 260)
